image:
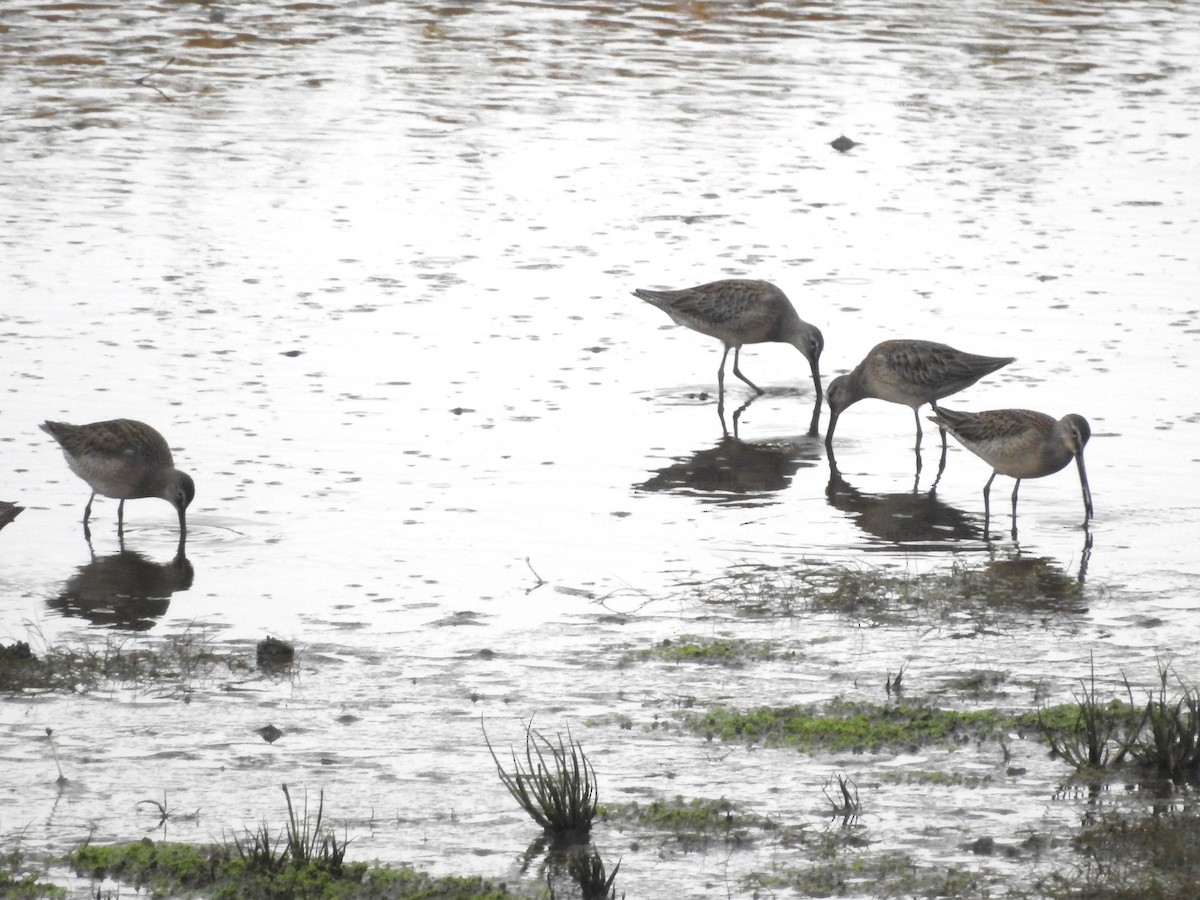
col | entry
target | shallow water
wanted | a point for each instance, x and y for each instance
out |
(368, 268)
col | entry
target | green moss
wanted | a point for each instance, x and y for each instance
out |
(167, 869)
(843, 726)
(27, 888)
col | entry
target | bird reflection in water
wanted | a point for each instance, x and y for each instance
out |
(124, 590)
(737, 415)
(918, 520)
(736, 471)
(1014, 578)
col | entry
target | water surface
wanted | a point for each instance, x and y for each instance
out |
(368, 268)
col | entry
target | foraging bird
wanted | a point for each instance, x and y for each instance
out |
(1021, 443)
(911, 373)
(125, 460)
(739, 311)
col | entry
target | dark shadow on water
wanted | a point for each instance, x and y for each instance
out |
(736, 472)
(123, 590)
(918, 520)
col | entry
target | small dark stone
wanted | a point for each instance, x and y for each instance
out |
(270, 733)
(274, 653)
(984, 846)
(843, 144)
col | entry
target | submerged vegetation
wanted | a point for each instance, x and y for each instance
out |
(998, 589)
(175, 662)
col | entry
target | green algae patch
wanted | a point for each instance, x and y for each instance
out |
(27, 887)
(182, 870)
(858, 727)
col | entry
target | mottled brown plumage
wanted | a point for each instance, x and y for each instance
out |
(740, 311)
(125, 460)
(1021, 443)
(911, 373)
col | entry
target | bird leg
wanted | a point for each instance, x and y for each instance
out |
(737, 352)
(87, 514)
(1016, 487)
(917, 419)
(987, 502)
(942, 461)
(721, 377)
(121, 518)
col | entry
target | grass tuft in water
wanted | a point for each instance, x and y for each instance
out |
(1094, 732)
(1154, 857)
(307, 843)
(556, 785)
(302, 843)
(844, 801)
(1169, 743)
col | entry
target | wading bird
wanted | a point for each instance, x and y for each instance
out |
(125, 460)
(910, 373)
(739, 311)
(1021, 443)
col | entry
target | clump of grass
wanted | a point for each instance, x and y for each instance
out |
(1169, 744)
(556, 785)
(1095, 732)
(307, 842)
(301, 843)
(1154, 857)
(844, 802)
(261, 851)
